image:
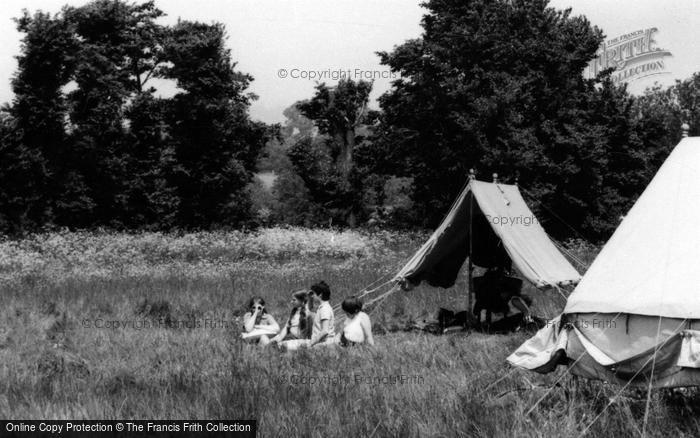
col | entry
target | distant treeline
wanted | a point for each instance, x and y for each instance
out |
(492, 85)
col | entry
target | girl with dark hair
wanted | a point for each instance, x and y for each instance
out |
(323, 332)
(258, 325)
(358, 327)
(300, 320)
(323, 327)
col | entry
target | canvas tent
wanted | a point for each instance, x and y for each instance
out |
(491, 224)
(635, 315)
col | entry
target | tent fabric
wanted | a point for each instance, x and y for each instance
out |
(650, 264)
(620, 337)
(690, 349)
(637, 370)
(616, 349)
(503, 229)
(537, 351)
(596, 353)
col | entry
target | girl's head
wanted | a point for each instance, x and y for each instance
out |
(300, 298)
(321, 291)
(257, 303)
(352, 306)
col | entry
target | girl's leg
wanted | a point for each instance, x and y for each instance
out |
(294, 344)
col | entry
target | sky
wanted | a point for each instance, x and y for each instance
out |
(282, 43)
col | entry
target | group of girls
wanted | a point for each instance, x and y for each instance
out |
(311, 322)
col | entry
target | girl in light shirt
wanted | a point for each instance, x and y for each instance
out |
(358, 327)
(323, 331)
(258, 325)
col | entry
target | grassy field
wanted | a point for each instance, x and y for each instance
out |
(145, 326)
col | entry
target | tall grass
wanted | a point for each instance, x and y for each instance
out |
(145, 326)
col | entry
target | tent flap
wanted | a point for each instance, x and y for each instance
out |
(502, 230)
(538, 351)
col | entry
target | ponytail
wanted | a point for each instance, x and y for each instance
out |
(302, 296)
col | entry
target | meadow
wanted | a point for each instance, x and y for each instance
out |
(101, 325)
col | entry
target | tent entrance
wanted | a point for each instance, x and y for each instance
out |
(485, 249)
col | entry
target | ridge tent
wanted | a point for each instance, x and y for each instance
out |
(635, 315)
(491, 224)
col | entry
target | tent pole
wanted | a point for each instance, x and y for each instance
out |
(470, 284)
(469, 291)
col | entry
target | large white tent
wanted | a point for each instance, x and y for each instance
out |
(635, 315)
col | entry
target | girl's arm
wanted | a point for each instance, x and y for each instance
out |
(366, 325)
(249, 321)
(322, 335)
(282, 334)
(269, 323)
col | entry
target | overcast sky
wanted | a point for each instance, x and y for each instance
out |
(302, 36)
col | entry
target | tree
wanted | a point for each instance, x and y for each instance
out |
(34, 138)
(95, 144)
(497, 86)
(296, 124)
(658, 115)
(660, 112)
(119, 50)
(288, 201)
(338, 112)
(215, 143)
(148, 190)
(20, 165)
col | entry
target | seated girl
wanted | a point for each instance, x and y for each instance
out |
(323, 332)
(357, 328)
(323, 327)
(258, 325)
(300, 322)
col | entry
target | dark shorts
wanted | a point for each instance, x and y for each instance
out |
(345, 343)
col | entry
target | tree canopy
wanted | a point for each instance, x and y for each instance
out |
(98, 144)
(491, 85)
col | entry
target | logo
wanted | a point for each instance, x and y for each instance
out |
(633, 56)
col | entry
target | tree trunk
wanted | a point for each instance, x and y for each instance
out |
(345, 157)
(352, 219)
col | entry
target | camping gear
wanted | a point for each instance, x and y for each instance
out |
(513, 323)
(491, 292)
(448, 319)
(634, 317)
